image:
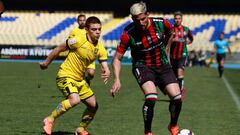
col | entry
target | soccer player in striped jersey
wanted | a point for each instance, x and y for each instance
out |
(83, 50)
(220, 47)
(182, 36)
(146, 37)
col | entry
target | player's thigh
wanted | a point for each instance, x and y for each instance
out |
(165, 76)
(145, 78)
(172, 89)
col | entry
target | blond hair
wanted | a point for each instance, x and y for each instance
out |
(138, 8)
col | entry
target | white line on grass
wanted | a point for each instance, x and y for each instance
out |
(231, 91)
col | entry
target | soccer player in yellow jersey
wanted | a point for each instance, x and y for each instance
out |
(81, 20)
(83, 50)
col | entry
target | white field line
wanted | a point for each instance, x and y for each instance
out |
(232, 92)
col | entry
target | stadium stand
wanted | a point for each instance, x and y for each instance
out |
(40, 28)
(44, 28)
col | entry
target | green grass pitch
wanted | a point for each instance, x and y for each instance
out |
(208, 107)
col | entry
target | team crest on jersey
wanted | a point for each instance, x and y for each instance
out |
(95, 51)
(72, 41)
(159, 35)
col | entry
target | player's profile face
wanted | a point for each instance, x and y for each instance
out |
(177, 20)
(141, 21)
(94, 31)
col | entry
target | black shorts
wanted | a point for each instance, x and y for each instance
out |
(220, 57)
(161, 76)
(181, 63)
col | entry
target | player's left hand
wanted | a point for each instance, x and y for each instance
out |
(105, 75)
(43, 65)
(115, 88)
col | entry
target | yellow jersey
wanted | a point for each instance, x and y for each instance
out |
(78, 31)
(81, 54)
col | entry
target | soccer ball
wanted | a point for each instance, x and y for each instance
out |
(186, 132)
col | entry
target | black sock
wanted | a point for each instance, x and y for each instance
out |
(87, 79)
(175, 107)
(148, 112)
(220, 70)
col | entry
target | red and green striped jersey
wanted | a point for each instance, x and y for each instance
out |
(179, 46)
(147, 47)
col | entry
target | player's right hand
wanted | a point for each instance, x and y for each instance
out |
(115, 88)
(43, 65)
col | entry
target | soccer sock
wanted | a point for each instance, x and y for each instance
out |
(148, 111)
(175, 107)
(220, 70)
(87, 117)
(88, 80)
(61, 109)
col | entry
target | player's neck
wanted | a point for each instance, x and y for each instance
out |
(93, 41)
(178, 26)
(80, 27)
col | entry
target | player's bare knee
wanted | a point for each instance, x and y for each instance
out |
(74, 99)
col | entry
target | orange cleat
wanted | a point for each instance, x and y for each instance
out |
(47, 126)
(173, 129)
(77, 132)
(149, 133)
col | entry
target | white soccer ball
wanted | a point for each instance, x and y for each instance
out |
(186, 132)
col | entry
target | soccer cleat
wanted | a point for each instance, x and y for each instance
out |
(77, 132)
(173, 129)
(47, 126)
(149, 133)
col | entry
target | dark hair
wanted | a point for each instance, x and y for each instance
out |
(92, 20)
(178, 13)
(81, 15)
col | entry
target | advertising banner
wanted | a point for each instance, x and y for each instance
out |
(27, 52)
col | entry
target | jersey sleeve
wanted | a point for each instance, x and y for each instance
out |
(92, 65)
(72, 33)
(168, 30)
(124, 43)
(73, 42)
(190, 35)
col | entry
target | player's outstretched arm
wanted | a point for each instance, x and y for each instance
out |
(54, 54)
(105, 71)
(116, 65)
